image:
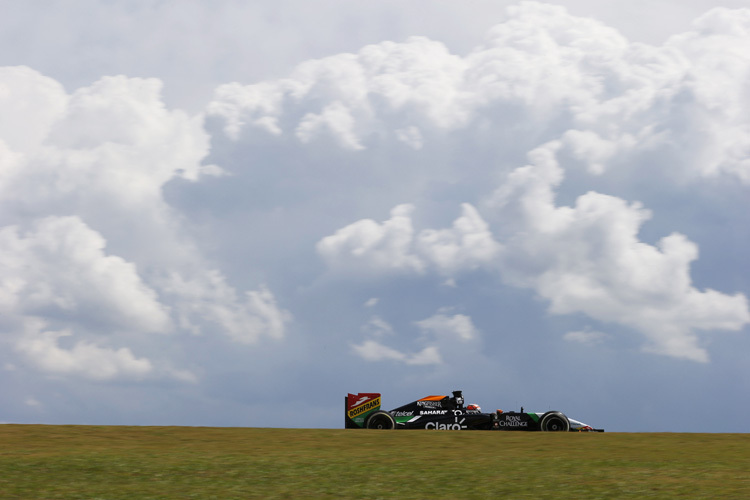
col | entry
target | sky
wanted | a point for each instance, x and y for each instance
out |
(234, 213)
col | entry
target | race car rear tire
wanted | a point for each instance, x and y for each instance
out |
(381, 420)
(554, 421)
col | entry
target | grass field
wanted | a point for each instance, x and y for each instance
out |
(102, 462)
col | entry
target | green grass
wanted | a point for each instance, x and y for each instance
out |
(101, 462)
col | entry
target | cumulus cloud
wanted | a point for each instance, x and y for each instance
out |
(569, 92)
(59, 268)
(419, 77)
(440, 332)
(582, 258)
(411, 136)
(468, 244)
(204, 301)
(552, 161)
(371, 350)
(458, 326)
(714, 95)
(83, 359)
(610, 99)
(371, 246)
(22, 126)
(105, 155)
(57, 272)
(377, 327)
(588, 258)
(102, 156)
(335, 120)
(393, 246)
(585, 336)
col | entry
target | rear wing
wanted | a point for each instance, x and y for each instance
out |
(358, 407)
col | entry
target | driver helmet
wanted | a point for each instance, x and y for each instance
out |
(473, 407)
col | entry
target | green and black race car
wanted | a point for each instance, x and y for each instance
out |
(449, 413)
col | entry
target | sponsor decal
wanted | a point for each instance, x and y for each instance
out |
(457, 425)
(403, 413)
(430, 404)
(354, 400)
(360, 401)
(433, 412)
(372, 404)
(512, 421)
(406, 418)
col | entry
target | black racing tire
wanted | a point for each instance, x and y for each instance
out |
(554, 421)
(381, 420)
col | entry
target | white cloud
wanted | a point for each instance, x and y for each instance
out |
(411, 136)
(119, 181)
(611, 99)
(467, 245)
(582, 90)
(588, 258)
(585, 258)
(83, 359)
(204, 301)
(458, 326)
(440, 332)
(30, 401)
(367, 246)
(23, 125)
(419, 77)
(714, 96)
(103, 156)
(377, 327)
(336, 120)
(59, 267)
(258, 105)
(58, 271)
(585, 336)
(392, 246)
(594, 150)
(370, 350)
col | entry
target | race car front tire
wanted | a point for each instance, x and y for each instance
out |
(381, 420)
(554, 421)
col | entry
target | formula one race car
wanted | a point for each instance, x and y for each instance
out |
(449, 413)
